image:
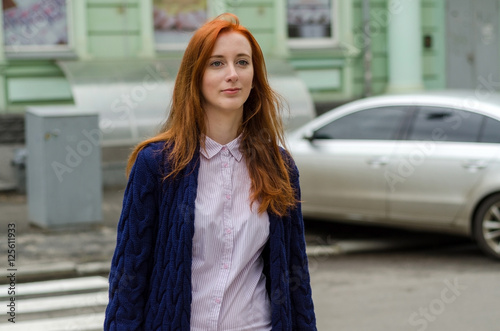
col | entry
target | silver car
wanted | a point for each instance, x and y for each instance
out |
(428, 161)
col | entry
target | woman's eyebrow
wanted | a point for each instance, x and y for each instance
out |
(237, 55)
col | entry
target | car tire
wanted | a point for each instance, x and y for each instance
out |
(487, 226)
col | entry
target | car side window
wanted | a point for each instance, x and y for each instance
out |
(445, 124)
(491, 131)
(381, 123)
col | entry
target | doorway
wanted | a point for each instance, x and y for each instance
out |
(472, 54)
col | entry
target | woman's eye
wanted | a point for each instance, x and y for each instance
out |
(243, 62)
(216, 64)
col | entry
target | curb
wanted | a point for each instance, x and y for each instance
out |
(344, 247)
(323, 250)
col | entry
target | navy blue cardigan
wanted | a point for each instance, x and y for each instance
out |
(150, 277)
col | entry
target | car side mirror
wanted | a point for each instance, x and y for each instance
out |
(313, 135)
(309, 136)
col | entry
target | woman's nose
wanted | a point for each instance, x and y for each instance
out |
(232, 74)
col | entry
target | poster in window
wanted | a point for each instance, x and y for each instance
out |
(310, 19)
(176, 20)
(34, 24)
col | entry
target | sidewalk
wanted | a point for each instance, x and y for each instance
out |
(55, 253)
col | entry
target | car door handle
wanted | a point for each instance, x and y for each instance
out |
(378, 161)
(475, 165)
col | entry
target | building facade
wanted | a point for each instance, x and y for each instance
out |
(341, 49)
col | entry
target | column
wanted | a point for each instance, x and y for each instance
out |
(147, 30)
(404, 46)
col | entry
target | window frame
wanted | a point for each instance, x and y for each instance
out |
(180, 46)
(44, 51)
(308, 43)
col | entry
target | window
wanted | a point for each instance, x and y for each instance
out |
(491, 131)
(375, 124)
(176, 20)
(36, 28)
(445, 124)
(311, 23)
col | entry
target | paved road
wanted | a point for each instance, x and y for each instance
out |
(417, 282)
(394, 280)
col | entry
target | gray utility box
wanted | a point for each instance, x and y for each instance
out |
(64, 184)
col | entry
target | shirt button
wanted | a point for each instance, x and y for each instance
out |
(225, 266)
(217, 300)
(228, 231)
(228, 197)
(224, 165)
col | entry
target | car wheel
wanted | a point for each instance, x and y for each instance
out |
(487, 226)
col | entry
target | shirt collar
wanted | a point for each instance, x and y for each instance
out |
(212, 148)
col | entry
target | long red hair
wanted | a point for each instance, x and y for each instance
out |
(261, 129)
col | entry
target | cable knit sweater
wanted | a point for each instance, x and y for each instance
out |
(150, 277)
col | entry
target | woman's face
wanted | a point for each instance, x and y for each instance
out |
(228, 75)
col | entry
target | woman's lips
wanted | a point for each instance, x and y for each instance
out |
(231, 90)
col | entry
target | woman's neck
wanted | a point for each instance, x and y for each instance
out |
(223, 129)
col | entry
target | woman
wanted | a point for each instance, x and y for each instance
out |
(211, 233)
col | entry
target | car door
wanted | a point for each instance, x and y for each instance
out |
(342, 164)
(434, 170)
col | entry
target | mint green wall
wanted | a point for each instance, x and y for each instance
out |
(110, 29)
(114, 29)
(433, 59)
(338, 74)
(378, 43)
(32, 82)
(259, 18)
(433, 65)
(101, 29)
(328, 72)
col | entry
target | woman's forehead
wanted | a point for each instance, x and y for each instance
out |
(228, 42)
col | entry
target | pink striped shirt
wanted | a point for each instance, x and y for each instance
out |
(228, 286)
